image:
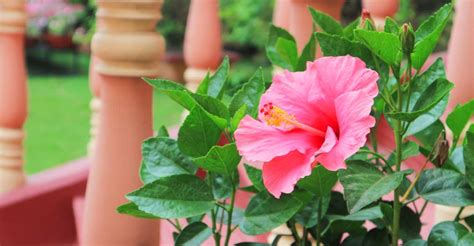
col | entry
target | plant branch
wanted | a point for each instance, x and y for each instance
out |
(458, 215)
(229, 214)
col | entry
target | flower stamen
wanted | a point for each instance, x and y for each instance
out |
(277, 117)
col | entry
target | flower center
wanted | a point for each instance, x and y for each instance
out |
(277, 117)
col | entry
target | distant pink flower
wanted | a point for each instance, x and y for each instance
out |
(321, 115)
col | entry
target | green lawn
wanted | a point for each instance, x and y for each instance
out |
(58, 123)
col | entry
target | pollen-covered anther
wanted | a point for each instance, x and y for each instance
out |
(277, 117)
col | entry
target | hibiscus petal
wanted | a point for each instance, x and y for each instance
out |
(338, 75)
(281, 174)
(353, 114)
(258, 142)
(290, 92)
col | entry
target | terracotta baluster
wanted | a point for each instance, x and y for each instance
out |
(13, 93)
(301, 22)
(94, 81)
(380, 9)
(281, 14)
(203, 42)
(127, 48)
(460, 64)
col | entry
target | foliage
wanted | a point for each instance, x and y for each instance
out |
(411, 99)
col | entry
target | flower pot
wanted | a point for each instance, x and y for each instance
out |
(59, 42)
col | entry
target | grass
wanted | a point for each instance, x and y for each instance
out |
(58, 123)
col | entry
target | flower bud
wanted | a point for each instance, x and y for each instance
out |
(407, 38)
(366, 21)
(440, 150)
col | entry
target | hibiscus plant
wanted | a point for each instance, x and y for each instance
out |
(345, 149)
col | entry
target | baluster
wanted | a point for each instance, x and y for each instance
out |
(301, 22)
(127, 48)
(94, 82)
(281, 14)
(13, 93)
(380, 9)
(460, 71)
(203, 42)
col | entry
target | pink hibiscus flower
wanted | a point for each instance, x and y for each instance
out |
(321, 115)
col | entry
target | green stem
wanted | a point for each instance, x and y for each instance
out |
(423, 208)
(318, 226)
(305, 236)
(458, 216)
(215, 233)
(398, 143)
(229, 215)
(291, 225)
(174, 225)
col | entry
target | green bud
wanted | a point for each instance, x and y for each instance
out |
(407, 38)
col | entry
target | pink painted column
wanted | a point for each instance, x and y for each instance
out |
(13, 93)
(460, 70)
(461, 52)
(127, 48)
(281, 14)
(380, 9)
(301, 22)
(202, 42)
(95, 104)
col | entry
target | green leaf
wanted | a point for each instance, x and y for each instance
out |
(249, 95)
(178, 196)
(273, 49)
(320, 182)
(419, 85)
(216, 84)
(468, 153)
(132, 209)
(361, 215)
(445, 187)
(162, 158)
(428, 34)
(308, 215)
(163, 132)
(212, 106)
(308, 54)
(447, 233)
(416, 242)
(467, 240)
(255, 176)
(363, 184)
(173, 90)
(459, 117)
(220, 159)
(288, 52)
(194, 234)
(430, 134)
(348, 31)
(385, 45)
(198, 133)
(264, 212)
(428, 100)
(326, 22)
(391, 26)
(222, 184)
(238, 116)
